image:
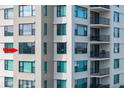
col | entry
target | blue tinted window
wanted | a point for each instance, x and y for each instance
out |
(27, 66)
(61, 10)
(61, 83)
(116, 79)
(116, 63)
(81, 83)
(116, 32)
(116, 16)
(26, 10)
(81, 66)
(80, 30)
(80, 12)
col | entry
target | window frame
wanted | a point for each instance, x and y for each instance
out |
(64, 50)
(60, 11)
(7, 66)
(84, 31)
(45, 29)
(7, 29)
(45, 67)
(78, 68)
(6, 13)
(45, 9)
(59, 66)
(116, 63)
(116, 79)
(79, 81)
(116, 32)
(116, 47)
(21, 10)
(82, 50)
(22, 28)
(116, 16)
(6, 80)
(22, 66)
(23, 46)
(60, 83)
(61, 29)
(45, 48)
(22, 83)
(45, 83)
(84, 12)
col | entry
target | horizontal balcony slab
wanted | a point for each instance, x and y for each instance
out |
(97, 76)
(100, 25)
(99, 9)
(99, 42)
(99, 86)
(103, 72)
(95, 59)
(100, 38)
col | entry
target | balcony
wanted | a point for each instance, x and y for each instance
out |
(100, 73)
(103, 6)
(100, 8)
(101, 54)
(99, 86)
(99, 22)
(84, 85)
(101, 38)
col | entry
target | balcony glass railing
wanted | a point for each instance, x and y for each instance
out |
(100, 20)
(100, 72)
(101, 38)
(100, 86)
(103, 6)
(101, 54)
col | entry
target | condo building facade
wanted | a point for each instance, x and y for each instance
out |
(62, 46)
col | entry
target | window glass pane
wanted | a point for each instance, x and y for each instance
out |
(116, 32)
(61, 48)
(81, 83)
(27, 66)
(9, 65)
(116, 63)
(80, 48)
(27, 29)
(27, 48)
(45, 83)
(45, 10)
(45, 48)
(45, 67)
(81, 66)
(8, 81)
(116, 16)
(26, 84)
(80, 12)
(8, 13)
(61, 66)
(45, 29)
(80, 30)
(8, 30)
(26, 10)
(116, 79)
(116, 47)
(61, 10)
(61, 83)
(61, 29)
(8, 45)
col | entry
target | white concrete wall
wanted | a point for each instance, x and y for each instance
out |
(117, 40)
(3, 39)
